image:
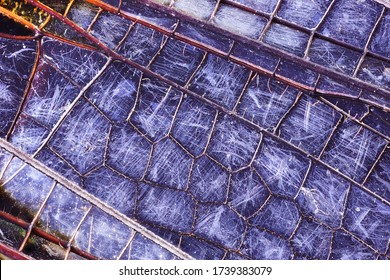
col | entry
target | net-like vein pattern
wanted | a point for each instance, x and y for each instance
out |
(225, 149)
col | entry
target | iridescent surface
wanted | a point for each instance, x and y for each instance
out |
(267, 139)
